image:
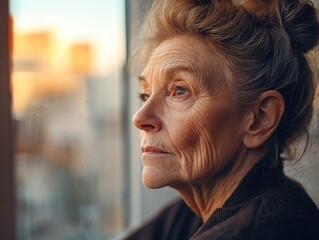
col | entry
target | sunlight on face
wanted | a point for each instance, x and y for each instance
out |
(190, 131)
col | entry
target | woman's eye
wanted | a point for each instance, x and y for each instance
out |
(179, 91)
(143, 97)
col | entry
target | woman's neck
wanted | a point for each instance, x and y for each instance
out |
(205, 197)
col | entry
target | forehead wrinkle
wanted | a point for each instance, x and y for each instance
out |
(172, 62)
(188, 55)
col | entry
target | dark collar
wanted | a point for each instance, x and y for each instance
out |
(262, 176)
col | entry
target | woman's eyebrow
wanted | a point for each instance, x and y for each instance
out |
(167, 73)
(170, 71)
(179, 68)
(141, 79)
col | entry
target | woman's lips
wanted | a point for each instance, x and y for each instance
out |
(153, 150)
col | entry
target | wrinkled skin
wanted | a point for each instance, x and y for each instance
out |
(190, 130)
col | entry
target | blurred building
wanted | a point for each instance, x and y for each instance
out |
(33, 51)
(81, 59)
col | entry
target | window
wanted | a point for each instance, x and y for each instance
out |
(68, 61)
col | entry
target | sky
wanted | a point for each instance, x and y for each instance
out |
(99, 22)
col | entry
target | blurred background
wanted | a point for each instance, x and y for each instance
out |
(76, 154)
(68, 61)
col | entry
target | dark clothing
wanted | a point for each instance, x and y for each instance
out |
(267, 205)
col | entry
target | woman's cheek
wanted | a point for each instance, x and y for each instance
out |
(197, 153)
(205, 163)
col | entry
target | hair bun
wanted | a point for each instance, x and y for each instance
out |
(300, 21)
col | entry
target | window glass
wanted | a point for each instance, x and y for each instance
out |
(68, 59)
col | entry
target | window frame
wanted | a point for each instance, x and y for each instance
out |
(7, 173)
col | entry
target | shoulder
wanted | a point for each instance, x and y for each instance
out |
(285, 212)
(282, 212)
(175, 221)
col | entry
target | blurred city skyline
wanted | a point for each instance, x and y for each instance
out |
(99, 23)
(49, 34)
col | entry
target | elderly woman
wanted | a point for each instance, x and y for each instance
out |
(226, 89)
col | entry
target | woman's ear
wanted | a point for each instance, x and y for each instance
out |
(263, 118)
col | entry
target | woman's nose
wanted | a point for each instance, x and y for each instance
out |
(147, 119)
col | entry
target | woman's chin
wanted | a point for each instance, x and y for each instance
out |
(155, 178)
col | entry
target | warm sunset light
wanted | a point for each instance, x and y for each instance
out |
(51, 56)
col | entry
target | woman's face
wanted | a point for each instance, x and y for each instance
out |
(190, 131)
